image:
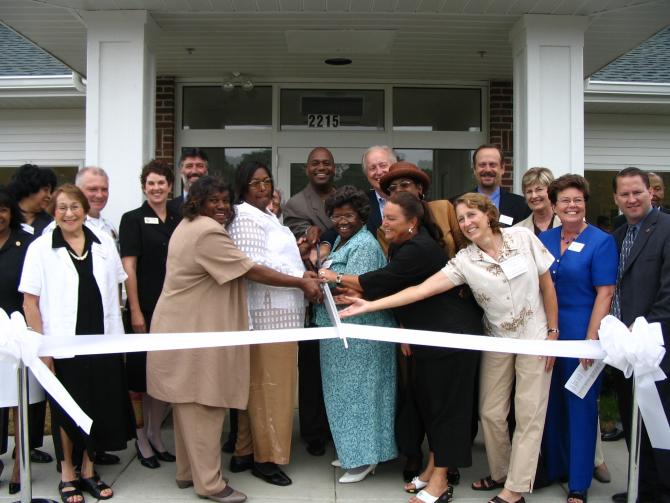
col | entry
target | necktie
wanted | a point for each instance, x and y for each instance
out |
(626, 246)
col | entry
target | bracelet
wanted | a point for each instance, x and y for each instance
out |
(338, 278)
(553, 331)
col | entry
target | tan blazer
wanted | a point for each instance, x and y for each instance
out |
(204, 291)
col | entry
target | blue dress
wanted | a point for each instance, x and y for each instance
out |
(569, 441)
(359, 382)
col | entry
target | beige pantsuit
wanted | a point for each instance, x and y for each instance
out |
(195, 426)
(265, 428)
(516, 460)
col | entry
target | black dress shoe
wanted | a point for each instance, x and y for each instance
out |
(150, 462)
(271, 473)
(164, 455)
(620, 497)
(612, 436)
(14, 487)
(37, 456)
(241, 463)
(105, 458)
(316, 447)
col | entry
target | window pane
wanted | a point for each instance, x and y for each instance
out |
(361, 110)
(64, 174)
(424, 109)
(211, 107)
(223, 162)
(450, 171)
(345, 174)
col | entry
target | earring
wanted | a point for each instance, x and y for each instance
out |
(410, 230)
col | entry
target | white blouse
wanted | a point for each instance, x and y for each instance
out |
(267, 242)
(508, 289)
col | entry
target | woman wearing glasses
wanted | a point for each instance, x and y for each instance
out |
(264, 429)
(359, 382)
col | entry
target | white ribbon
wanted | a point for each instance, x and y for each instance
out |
(639, 351)
(17, 341)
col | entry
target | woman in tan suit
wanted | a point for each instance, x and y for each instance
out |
(204, 280)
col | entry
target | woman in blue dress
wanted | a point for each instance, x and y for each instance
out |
(584, 275)
(359, 382)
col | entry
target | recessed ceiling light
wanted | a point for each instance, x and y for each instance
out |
(338, 61)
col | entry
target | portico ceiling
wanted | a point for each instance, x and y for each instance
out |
(432, 40)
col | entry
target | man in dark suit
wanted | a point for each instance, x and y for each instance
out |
(305, 215)
(193, 164)
(643, 289)
(488, 163)
(657, 188)
(376, 162)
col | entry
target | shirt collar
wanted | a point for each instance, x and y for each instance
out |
(58, 241)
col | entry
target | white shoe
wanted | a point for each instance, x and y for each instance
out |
(418, 485)
(349, 478)
(336, 463)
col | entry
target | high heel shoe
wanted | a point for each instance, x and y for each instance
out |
(14, 487)
(164, 455)
(349, 477)
(150, 462)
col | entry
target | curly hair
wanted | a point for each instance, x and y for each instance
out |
(74, 192)
(30, 179)
(158, 167)
(482, 203)
(568, 182)
(348, 194)
(203, 188)
(7, 201)
(244, 175)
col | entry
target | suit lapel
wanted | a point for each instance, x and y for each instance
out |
(316, 205)
(646, 230)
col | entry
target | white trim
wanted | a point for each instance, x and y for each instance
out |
(40, 86)
(596, 91)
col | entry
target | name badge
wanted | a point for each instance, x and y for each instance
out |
(150, 220)
(505, 219)
(28, 228)
(576, 247)
(514, 266)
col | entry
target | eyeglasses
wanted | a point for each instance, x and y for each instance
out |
(74, 207)
(404, 185)
(347, 217)
(256, 184)
(565, 201)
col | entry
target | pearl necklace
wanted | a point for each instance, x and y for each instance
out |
(77, 257)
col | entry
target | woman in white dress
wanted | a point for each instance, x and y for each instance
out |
(264, 431)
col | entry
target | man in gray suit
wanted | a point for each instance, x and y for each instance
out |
(305, 215)
(643, 289)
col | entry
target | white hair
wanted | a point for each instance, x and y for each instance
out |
(385, 148)
(94, 170)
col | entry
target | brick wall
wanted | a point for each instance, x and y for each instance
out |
(165, 118)
(500, 124)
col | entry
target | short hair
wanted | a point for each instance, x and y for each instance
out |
(7, 201)
(193, 152)
(631, 171)
(482, 203)
(321, 148)
(200, 191)
(537, 176)
(389, 151)
(244, 175)
(569, 181)
(158, 167)
(30, 179)
(348, 194)
(69, 189)
(94, 170)
(487, 145)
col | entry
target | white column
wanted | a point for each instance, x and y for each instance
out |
(120, 101)
(548, 94)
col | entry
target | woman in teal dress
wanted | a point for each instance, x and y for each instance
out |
(584, 275)
(359, 382)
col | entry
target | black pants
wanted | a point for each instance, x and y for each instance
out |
(311, 408)
(36, 416)
(409, 430)
(654, 479)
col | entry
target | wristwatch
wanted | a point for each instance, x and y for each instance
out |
(338, 278)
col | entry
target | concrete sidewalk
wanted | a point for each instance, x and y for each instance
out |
(314, 480)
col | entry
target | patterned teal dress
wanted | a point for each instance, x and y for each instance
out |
(359, 382)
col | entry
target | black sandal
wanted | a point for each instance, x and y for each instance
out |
(94, 486)
(577, 495)
(66, 495)
(487, 484)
